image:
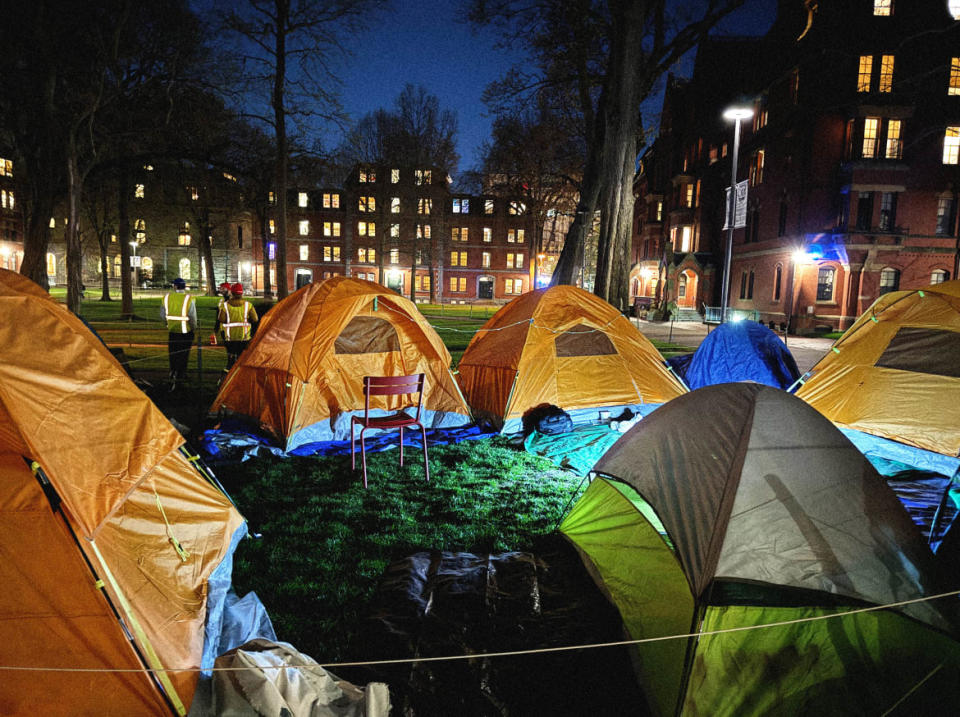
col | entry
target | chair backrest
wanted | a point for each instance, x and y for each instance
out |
(393, 386)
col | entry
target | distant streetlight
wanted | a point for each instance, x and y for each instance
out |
(540, 258)
(954, 8)
(734, 114)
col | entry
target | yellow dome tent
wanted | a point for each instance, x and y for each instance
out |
(566, 347)
(301, 377)
(896, 372)
(106, 526)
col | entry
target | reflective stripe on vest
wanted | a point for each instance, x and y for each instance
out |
(237, 328)
(177, 309)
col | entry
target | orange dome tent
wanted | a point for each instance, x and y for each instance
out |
(112, 530)
(896, 372)
(566, 347)
(301, 377)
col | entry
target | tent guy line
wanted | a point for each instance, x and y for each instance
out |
(509, 653)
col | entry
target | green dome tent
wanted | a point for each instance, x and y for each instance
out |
(739, 506)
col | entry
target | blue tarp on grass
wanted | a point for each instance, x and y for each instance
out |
(232, 443)
(738, 351)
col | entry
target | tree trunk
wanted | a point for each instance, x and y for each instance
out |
(265, 253)
(37, 239)
(123, 236)
(206, 256)
(280, 120)
(72, 233)
(103, 240)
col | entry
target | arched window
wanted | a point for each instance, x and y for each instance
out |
(939, 276)
(117, 266)
(826, 278)
(146, 267)
(889, 280)
(777, 281)
(184, 268)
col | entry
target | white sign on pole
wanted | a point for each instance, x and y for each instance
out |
(740, 209)
(135, 261)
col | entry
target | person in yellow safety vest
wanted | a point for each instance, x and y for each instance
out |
(237, 317)
(224, 291)
(179, 310)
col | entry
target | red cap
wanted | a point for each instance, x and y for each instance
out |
(225, 286)
(237, 289)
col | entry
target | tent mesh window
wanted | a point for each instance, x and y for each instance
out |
(367, 335)
(583, 340)
(930, 351)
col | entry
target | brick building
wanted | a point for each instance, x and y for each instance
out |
(11, 227)
(851, 157)
(404, 228)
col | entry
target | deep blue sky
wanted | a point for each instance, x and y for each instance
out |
(423, 42)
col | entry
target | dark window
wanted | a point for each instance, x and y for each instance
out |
(864, 210)
(888, 211)
(889, 281)
(743, 285)
(583, 340)
(777, 277)
(239, 236)
(750, 285)
(782, 221)
(825, 279)
(945, 215)
(755, 226)
(923, 351)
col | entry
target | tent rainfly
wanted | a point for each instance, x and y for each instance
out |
(739, 515)
(562, 346)
(111, 538)
(896, 372)
(301, 378)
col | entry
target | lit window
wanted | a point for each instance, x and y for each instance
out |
(227, 175)
(331, 201)
(394, 256)
(395, 205)
(271, 252)
(51, 264)
(455, 234)
(696, 196)
(367, 229)
(514, 261)
(509, 261)
(485, 260)
(394, 230)
(273, 227)
(423, 231)
(883, 7)
(508, 286)
(689, 196)
(331, 253)
(394, 176)
(366, 255)
(138, 191)
(939, 276)
(487, 234)
(6, 199)
(870, 137)
(889, 281)
(825, 278)
(894, 145)
(756, 168)
(886, 73)
(953, 88)
(519, 261)
(6, 167)
(367, 175)
(464, 233)
(461, 206)
(888, 211)
(951, 145)
(520, 233)
(304, 252)
(367, 204)
(113, 238)
(863, 76)
(422, 176)
(141, 226)
(424, 206)
(183, 238)
(270, 196)
(304, 227)
(512, 236)
(302, 199)
(462, 283)
(659, 211)
(517, 207)
(454, 258)
(488, 206)
(331, 229)
(453, 283)
(945, 215)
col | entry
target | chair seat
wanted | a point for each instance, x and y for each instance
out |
(393, 421)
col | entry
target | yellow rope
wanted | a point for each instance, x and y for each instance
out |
(184, 554)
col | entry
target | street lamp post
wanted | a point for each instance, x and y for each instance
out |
(736, 114)
(133, 264)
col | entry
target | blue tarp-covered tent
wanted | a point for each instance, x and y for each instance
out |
(739, 351)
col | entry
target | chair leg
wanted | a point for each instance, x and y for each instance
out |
(363, 454)
(426, 458)
(353, 449)
(401, 445)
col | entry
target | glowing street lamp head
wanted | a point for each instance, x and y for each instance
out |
(953, 6)
(737, 113)
(802, 256)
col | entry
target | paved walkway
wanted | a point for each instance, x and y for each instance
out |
(806, 351)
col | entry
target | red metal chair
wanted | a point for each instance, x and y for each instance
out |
(388, 386)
